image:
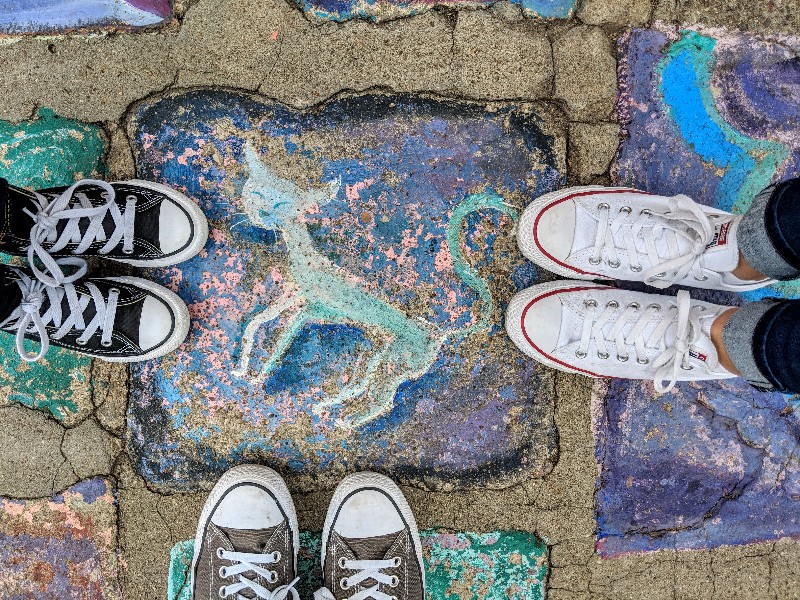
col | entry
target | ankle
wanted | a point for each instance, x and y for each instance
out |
(717, 329)
(746, 272)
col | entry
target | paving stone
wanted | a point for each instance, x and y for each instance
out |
(775, 16)
(494, 61)
(61, 548)
(592, 147)
(30, 453)
(459, 566)
(337, 10)
(383, 359)
(110, 385)
(90, 450)
(44, 152)
(586, 73)
(615, 12)
(46, 16)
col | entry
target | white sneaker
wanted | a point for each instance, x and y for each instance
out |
(619, 233)
(602, 331)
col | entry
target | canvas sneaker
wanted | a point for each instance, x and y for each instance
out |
(117, 319)
(247, 539)
(371, 547)
(603, 331)
(620, 233)
(141, 223)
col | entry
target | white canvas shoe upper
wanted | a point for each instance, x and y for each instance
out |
(602, 331)
(619, 233)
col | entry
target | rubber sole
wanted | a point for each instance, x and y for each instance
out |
(256, 474)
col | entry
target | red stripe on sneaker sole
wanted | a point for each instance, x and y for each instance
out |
(570, 197)
(539, 350)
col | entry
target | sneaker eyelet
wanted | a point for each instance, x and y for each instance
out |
(646, 361)
(223, 573)
(664, 274)
(222, 593)
(612, 304)
(634, 305)
(646, 211)
(273, 576)
(689, 368)
(580, 354)
(127, 250)
(344, 583)
(394, 582)
(614, 264)
(107, 344)
(656, 306)
(81, 342)
(219, 552)
(276, 556)
(593, 261)
(397, 561)
(703, 278)
(622, 358)
(114, 290)
(603, 206)
(626, 209)
(636, 269)
(341, 562)
(131, 198)
(603, 355)
(590, 303)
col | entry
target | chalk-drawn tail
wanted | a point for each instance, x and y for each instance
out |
(467, 274)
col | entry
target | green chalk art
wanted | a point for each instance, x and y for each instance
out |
(45, 152)
(502, 565)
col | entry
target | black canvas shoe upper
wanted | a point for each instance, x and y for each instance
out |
(104, 317)
(120, 221)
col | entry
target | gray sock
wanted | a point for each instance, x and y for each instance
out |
(755, 245)
(738, 339)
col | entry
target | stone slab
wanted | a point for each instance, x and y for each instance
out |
(61, 548)
(375, 10)
(347, 310)
(501, 565)
(713, 115)
(49, 16)
(45, 152)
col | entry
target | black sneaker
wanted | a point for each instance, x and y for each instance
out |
(247, 539)
(118, 319)
(141, 223)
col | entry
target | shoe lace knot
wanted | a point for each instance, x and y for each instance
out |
(74, 207)
(28, 318)
(245, 562)
(365, 570)
(638, 329)
(672, 242)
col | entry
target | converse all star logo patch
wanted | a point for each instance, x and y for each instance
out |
(720, 235)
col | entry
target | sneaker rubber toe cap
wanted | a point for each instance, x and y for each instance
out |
(174, 228)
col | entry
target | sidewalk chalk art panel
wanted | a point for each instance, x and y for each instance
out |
(347, 310)
(500, 565)
(48, 151)
(48, 16)
(61, 548)
(382, 10)
(715, 117)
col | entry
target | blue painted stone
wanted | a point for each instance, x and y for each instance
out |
(344, 10)
(710, 463)
(347, 310)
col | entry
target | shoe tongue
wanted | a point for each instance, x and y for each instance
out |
(10, 294)
(253, 541)
(722, 252)
(372, 548)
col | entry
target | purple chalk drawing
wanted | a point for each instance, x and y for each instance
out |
(710, 463)
(43, 16)
(347, 310)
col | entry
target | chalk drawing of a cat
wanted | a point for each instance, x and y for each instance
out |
(323, 292)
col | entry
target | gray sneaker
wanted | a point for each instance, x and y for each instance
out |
(247, 539)
(370, 545)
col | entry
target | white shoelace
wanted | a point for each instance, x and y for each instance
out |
(365, 569)
(28, 318)
(74, 206)
(685, 220)
(245, 562)
(684, 317)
